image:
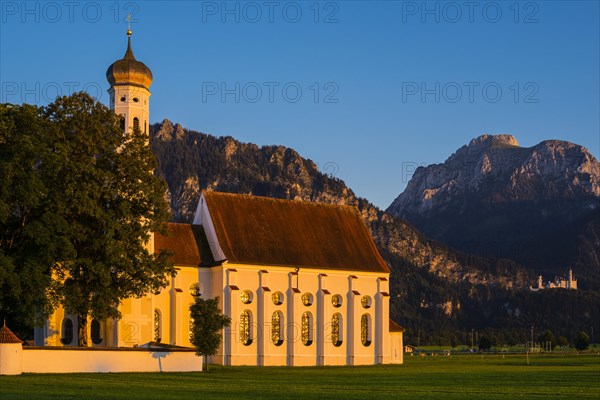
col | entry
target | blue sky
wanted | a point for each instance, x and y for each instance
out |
(368, 90)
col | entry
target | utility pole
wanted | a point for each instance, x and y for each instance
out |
(532, 338)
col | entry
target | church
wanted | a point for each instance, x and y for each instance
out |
(302, 282)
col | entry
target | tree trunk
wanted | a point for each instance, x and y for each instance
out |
(82, 322)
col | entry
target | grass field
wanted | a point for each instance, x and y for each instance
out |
(458, 377)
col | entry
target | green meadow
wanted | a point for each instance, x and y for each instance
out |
(432, 377)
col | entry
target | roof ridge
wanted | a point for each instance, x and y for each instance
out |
(278, 199)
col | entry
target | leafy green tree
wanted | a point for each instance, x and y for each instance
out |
(92, 215)
(31, 235)
(207, 323)
(485, 343)
(582, 341)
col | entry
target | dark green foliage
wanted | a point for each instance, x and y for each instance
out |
(545, 338)
(562, 341)
(207, 326)
(80, 200)
(582, 341)
(485, 343)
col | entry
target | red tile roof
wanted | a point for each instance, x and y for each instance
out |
(266, 231)
(394, 327)
(187, 242)
(6, 336)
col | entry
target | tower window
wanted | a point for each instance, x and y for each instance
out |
(122, 122)
(136, 124)
(136, 100)
(123, 98)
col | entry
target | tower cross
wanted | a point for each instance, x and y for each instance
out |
(129, 25)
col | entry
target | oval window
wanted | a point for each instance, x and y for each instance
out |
(246, 297)
(195, 290)
(307, 299)
(366, 301)
(336, 300)
(277, 298)
(136, 100)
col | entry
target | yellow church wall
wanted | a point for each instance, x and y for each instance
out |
(263, 282)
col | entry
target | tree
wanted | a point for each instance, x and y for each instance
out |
(547, 337)
(207, 323)
(485, 343)
(563, 341)
(103, 200)
(582, 341)
(31, 235)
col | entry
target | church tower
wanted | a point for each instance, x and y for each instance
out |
(129, 92)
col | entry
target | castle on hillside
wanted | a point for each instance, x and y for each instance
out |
(559, 283)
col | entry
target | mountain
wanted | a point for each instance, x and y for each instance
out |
(538, 206)
(436, 290)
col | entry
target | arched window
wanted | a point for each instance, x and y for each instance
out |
(336, 329)
(157, 325)
(122, 122)
(246, 327)
(96, 332)
(145, 123)
(365, 330)
(191, 329)
(277, 328)
(307, 329)
(136, 123)
(67, 331)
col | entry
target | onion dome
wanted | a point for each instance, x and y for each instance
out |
(128, 70)
(6, 336)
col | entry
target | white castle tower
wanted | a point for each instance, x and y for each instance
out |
(129, 92)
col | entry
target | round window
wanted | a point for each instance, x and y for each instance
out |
(277, 298)
(366, 301)
(195, 289)
(307, 299)
(246, 297)
(336, 300)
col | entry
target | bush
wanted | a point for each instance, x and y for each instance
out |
(582, 341)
